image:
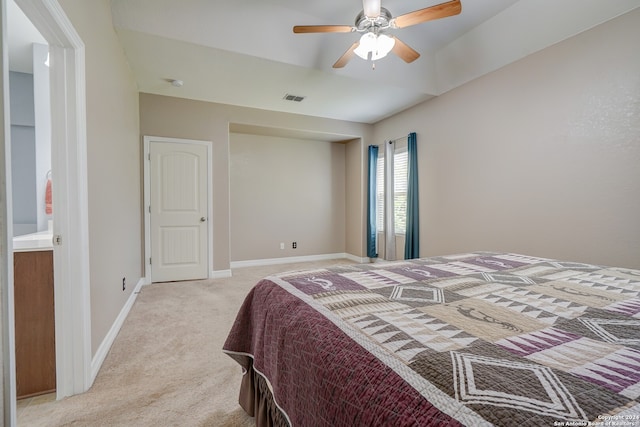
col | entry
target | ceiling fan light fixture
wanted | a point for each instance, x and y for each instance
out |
(385, 44)
(378, 45)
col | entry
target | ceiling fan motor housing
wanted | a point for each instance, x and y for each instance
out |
(381, 22)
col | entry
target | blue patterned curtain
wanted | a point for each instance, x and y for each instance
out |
(412, 235)
(371, 202)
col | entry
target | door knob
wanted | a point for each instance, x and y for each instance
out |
(203, 219)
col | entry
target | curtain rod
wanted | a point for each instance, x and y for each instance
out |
(398, 138)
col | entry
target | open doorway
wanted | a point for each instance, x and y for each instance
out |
(70, 229)
(31, 184)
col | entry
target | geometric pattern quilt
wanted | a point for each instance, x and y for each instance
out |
(471, 339)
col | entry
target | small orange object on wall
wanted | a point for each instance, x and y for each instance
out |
(48, 198)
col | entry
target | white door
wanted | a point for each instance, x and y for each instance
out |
(178, 211)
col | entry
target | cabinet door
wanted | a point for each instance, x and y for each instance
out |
(34, 323)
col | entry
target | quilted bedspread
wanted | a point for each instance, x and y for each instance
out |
(472, 339)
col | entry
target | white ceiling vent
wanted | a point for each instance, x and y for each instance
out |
(294, 98)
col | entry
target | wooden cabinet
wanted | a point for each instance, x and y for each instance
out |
(34, 323)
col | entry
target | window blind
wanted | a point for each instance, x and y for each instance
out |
(400, 166)
(380, 194)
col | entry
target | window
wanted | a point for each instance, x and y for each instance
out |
(400, 166)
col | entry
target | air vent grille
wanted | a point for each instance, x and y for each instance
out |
(294, 98)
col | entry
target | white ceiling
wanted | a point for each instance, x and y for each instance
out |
(244, 52)
(22, 34)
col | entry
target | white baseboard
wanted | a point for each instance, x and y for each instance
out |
(107, 342)
(220, 274)
(289, 260)
(359, 260)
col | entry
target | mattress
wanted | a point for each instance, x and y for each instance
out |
(472, 339)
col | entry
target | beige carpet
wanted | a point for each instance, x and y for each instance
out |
(166, 367)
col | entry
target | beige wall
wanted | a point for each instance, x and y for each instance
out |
(182, 118)
(356, 187)
(286, 190)
(540, 157)
(113, 163)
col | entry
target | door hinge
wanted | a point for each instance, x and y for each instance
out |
(149, 208)
(57, 240)
(149, 260)
(149, 156)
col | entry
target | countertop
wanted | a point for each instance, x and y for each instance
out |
(41, 241)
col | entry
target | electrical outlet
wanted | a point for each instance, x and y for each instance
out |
(294, 245)
(282, 245)
(124, 283)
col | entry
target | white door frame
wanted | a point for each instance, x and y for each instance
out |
(7, 345)
(148, 140)
(70, 197)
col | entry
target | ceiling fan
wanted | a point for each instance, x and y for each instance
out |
(373, 22)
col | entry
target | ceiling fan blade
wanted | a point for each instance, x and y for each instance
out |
(346, 57)
(301, 29)
(371, 8)
(438, 11)
(403, 50)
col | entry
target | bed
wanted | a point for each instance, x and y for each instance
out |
(471, 339)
